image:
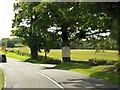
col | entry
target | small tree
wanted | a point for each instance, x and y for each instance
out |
(10, 44)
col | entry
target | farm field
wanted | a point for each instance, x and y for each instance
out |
(76, 54)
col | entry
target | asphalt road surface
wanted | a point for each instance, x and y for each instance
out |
(20, 74)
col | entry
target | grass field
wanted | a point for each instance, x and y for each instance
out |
(77, 54)
(102, 71)
(1, 79)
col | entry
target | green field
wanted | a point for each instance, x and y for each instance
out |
(77, 54)
(1, 79)
(105, 72)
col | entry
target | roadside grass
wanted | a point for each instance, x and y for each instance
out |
(105, 72)
(39, 60)
(14, 55)
(1, 79)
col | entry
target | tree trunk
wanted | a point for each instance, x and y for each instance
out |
(119, 45)
(34, 53)
(118, 41)
(65, 45)
(119, 51)
(45, 54)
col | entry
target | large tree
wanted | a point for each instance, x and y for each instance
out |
(67, 18)
(72, 20)
(25, 25)
(78, 20)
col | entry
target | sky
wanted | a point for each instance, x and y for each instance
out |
(6, 16)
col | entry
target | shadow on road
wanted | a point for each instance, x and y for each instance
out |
(91, 83)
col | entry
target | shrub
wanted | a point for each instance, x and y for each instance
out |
(94, 62)
(117, 65)
(111, 62)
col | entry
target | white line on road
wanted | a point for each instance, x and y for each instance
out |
(61, 87)
(51, 80)
(5, 81)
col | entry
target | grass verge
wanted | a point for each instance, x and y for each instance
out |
(14, 55)
(105, 72)
(1, 79)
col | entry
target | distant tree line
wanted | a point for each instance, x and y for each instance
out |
(10, 43)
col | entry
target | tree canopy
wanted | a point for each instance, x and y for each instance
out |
(72, 21)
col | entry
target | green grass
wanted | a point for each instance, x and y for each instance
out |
(14, 55)
(103, 71)
(84, 55)
(87, 54)
(1, 79)
(77, 54)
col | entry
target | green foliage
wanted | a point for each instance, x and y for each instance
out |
(26, 25)
(117, 64)
(73, 20)
(10, 44)
(42, 60)
(95, 62)
(19, 52)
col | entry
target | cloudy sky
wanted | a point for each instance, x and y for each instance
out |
(6, 15)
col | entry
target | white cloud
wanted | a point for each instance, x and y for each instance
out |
(6, 9)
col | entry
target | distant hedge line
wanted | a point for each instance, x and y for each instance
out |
(23, 53)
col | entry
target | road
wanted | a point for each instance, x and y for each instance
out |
(27, 75)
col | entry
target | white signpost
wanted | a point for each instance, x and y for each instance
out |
(66, 53)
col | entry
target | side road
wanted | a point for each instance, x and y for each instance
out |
(27, 75)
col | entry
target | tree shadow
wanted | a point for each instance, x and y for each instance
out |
(74, 65)
(91, 83)
(109, 74)
(42, 60)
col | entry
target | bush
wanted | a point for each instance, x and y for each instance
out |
(19, 52)
(117, 65)
(111, 62)
(94, 62)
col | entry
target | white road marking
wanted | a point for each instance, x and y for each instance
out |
(5, 81)
(61, 87)
(52, 80)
